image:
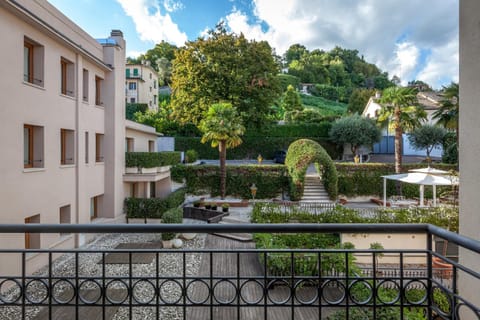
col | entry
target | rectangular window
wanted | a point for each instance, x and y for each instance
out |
(86, 147)
(129, 144)
(152, 189)
(65, 217)
(155, 84)
(127, 73)
(132, 100)
(99, 147)
(67, 146)
(150, 89)
(132, 86)
(154, 100)
(150, 75)
(135, 72)
(32, 240)
(67, 77)
(85, 85)
(93, 208)
(151, 146)
(33, 65)
(133, 190)
(32, 146)
(98, 91)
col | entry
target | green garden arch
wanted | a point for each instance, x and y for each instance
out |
(301, 153)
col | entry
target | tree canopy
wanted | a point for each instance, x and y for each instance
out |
(356, 131)
(224, 67)
(426, 138)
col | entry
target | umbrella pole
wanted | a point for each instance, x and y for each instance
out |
(422, 189)
(384, 192)
(434, 195)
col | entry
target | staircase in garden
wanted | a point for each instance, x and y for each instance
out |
(314, 191)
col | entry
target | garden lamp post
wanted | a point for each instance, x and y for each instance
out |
(253, 190)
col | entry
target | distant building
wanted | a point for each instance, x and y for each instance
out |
(141, 84)
(429, 101)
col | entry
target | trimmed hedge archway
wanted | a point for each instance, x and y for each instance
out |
(300, 155)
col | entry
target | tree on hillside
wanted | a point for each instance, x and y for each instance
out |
(222, 126)
(224, 67)
(291, 100)
(358, 100)
(426, 138)
(400, 111)
(356, 131)
(447, 114)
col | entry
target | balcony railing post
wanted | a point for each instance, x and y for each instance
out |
(429, 275)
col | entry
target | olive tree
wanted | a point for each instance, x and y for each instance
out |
(426, 138)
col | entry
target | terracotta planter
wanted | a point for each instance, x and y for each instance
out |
(167, 244)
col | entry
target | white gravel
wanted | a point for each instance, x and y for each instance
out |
(170, 264)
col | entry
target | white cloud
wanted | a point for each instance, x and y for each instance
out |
(151, 24)
(172, 5)
(390, 34)
(134, 54)
(405, 61)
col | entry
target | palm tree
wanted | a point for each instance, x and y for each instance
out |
(223, 127)
(400, 111)
(447, 114)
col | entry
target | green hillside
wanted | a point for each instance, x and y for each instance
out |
(324, 106)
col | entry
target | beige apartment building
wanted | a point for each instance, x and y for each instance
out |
(141, 85)
(63, 126)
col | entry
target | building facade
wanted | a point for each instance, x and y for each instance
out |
(62, 118)
(141, 85)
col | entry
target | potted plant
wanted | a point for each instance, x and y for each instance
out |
(214, 206)
(225, 207)
(197, 203)
(208, 205)
(174, 215)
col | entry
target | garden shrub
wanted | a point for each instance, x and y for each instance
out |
(174, 215)
(300, 155)
(153, 208)
(270, 180)
(132, 108)
(191, 156)
(151, 159)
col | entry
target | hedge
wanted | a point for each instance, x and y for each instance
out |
(269, 180)
(153, 208)
(151, 159)
(251, 147)
(174, 215)
(320, 129)
(131, 108)
(300, 154)
(366, 179)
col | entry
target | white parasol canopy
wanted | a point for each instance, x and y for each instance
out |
(430, 171)
(422, 179)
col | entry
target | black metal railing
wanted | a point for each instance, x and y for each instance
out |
(234, 283)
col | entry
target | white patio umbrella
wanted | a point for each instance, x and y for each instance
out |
(430, 171)
(421, 179)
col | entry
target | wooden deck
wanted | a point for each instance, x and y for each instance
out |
(225, 265)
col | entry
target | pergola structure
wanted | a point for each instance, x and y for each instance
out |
(423, 177)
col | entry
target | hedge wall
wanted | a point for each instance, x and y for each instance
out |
(366, 179)
(153, 207)
(270, 180)
(320, 129)
(151, 159)
(251, 147)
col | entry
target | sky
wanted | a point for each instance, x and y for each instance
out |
(414, 40)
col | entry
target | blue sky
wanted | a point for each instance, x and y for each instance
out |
(408, 38)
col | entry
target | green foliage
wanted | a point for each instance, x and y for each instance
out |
(366, 179)
(356, 131)
(152, 208)
(448, 113)
(304, 116)
(426, 137)
(270, 180)
(288, 80)
(450, 154)
(319, 129)
(330, 92)
(358, 100)
(326, 107)
(299, 155)
(224, 67)
(174, 215)
(151, 159)
(132, 108)
(191, 156)
(251, 147)
(291, 100)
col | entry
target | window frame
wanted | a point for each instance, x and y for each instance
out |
(29, 163)
(30, 67)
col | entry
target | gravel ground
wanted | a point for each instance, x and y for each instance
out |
(170, 264)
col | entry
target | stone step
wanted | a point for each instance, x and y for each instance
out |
(243, 237)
